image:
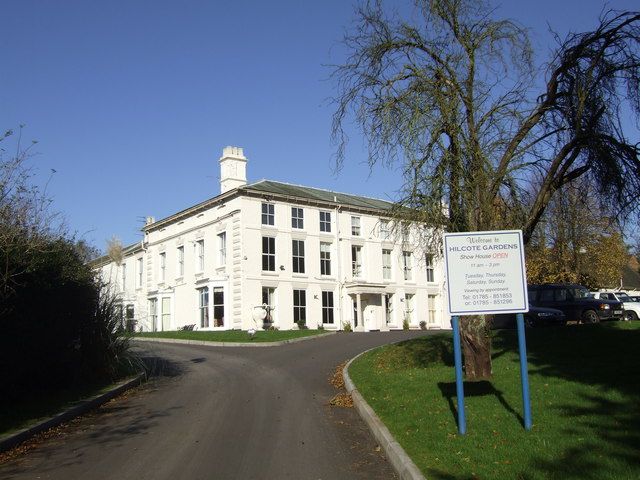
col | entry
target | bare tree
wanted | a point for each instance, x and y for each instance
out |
(450, 93)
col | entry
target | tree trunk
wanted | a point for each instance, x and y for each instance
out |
(476, 347)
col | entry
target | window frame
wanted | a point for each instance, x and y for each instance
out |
(356, 226)
(268, 214)
(199, 255)
(356, 261)
(325, 223)
(387, 265)
(327, 307)
(407, 265)
(429, 268)
(180, 260)
(162, 261)
(268, 254)
(299, 305)
(140, 268)
(297, 256)
(204, 319)
(297, 218)
(222, 249)
(325, 259)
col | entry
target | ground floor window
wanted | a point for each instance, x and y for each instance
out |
(269, 299)
(153, 313)
(203, 306)
(130, 324)
(166, 313)
(218, 307)
(431, 309)
(408, 308)
(388, 308)
(327, 307)
(300, 306)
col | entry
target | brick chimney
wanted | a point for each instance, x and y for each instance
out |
(233, 169)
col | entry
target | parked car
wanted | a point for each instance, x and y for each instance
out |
(635, 298)
(575, 301)
(535, 317)
(631, 308)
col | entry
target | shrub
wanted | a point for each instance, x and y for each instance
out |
(347, 327)
(423, 325)
(405, 323)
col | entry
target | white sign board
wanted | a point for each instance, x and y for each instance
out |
(485, 272)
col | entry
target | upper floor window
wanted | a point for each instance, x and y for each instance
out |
(386, 264)
(406, 265)
(430, 270)
(356, 260)
(269, 254)
(384, 229)
(180, 258)
(325, 221)
(268, 214)
(163, 266)
(297, 217)
(140, 268)
(298, 256)
(222, 249)
(355, 226)
(325, 258)
(199, 255)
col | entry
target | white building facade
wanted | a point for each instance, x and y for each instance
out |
(298, 255)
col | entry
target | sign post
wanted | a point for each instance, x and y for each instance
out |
(524, 375)
(457, 354)
(486, 275)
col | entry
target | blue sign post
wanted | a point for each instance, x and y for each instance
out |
(457, 355)
(524, 374)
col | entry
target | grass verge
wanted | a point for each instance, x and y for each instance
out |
(585, 397)
(234, 335)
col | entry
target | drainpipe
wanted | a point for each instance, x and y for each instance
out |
(338, 262)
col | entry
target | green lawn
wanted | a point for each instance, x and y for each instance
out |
(585, 400)
(234, 335)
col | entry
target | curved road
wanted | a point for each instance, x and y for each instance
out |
(222, 413)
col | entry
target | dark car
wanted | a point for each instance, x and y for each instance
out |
(535, 317)
(575, 301)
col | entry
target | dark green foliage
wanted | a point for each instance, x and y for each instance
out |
(59, 327)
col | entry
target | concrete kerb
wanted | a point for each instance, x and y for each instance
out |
(231, 344)
(11, 440)
(401, 462)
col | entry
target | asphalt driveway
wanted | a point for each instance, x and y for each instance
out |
(222, 413)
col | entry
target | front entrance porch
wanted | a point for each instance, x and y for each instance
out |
(369, 307)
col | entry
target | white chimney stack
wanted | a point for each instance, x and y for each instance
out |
(233, 169)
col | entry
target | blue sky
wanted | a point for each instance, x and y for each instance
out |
(132, 101)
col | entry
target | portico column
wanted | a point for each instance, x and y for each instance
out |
(384, 326)
(360, 326)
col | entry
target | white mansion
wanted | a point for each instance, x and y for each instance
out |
(308, 255)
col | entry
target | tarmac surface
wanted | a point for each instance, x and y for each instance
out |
(221, 413)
